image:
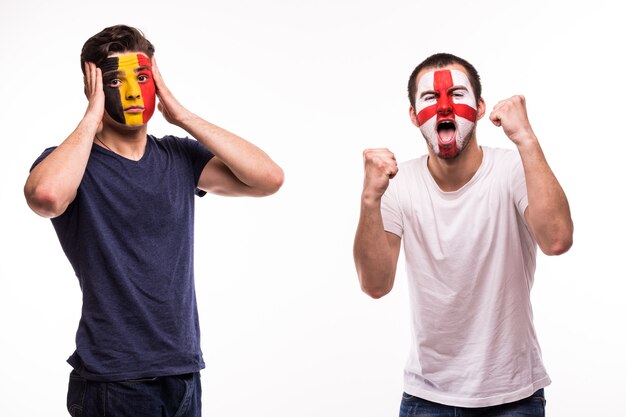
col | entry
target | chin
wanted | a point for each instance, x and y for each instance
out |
(122, 126)
(127, 127)
(449, 155)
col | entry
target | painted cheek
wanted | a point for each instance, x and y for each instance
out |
(148, 89)
(148, 92)
(113, 104)
(112, 96)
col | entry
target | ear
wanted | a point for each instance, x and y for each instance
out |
(482, 107)
(413, 116)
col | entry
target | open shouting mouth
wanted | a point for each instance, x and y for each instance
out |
(446, 132)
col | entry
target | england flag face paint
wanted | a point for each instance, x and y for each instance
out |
(129, 89)
(446, 111)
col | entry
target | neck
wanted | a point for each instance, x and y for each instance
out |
(130, 144)
(452, 174)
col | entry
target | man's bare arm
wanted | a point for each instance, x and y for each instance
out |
(548, 214)
(239, 167)
(375, 250)
(53, 183)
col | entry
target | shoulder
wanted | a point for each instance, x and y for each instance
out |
(501, 155)
(43, 156)
(501, 160)
(411, 174)
(181, 144)
(409, 168)
(170, 141)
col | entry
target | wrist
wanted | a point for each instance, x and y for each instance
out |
(91, 121)
(525, 140)
(185, 119)
(370, 198)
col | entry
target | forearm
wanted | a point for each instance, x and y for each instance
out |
(548, 212)
(247, 162)
(52, 184)
(373, 255)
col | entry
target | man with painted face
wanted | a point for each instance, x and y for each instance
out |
(122, 204)
(470, 219)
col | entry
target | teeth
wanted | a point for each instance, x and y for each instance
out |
(445, 125)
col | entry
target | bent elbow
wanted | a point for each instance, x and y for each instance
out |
(558, 247)
(44, 201)
(276, 181)
(272, 182)
(376, 293)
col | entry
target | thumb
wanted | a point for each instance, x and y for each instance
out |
(495, 118)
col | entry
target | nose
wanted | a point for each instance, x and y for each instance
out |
(444, 105)
(133, 91)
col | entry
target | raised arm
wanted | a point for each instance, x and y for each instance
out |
(375, 250)
(239, 167)
(52, 184)
(548, 214)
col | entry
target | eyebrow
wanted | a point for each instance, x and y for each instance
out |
(451, 89)
(115, 73)
(112, 73)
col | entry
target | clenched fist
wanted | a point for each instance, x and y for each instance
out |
(380, 166)
(511, 115)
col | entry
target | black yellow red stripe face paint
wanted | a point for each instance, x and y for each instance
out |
(129, 89)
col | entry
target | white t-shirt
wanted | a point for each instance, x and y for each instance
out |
(470, 261)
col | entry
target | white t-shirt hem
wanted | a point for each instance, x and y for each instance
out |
(477, 402)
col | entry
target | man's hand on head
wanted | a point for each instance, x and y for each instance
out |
(94, 92)
(172, 110)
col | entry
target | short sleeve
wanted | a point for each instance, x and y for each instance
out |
(43, 156)
(518, 185)
(197, 153)
(390, 210)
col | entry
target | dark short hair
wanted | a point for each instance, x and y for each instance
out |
(440, 60)
(119, 38)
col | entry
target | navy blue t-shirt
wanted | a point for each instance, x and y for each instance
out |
(129, 237)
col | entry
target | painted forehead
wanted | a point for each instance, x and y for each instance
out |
(125, 61)
(427, 81)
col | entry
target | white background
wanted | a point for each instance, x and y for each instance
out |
(286, 330)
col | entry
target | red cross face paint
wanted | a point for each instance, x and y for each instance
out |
(129, 89)
(446, 111)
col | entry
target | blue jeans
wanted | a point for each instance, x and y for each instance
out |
(533, 406)
(168, 396)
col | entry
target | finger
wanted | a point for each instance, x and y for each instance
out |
(86, 75)
(500, 104)
(158, 79)
(392, 171)
(495, 118)
(90, 76)
(98, 75)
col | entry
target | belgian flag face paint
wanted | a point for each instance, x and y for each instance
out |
(129, 88)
